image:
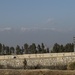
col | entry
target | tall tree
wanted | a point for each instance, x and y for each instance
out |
(61, 48)
(69, 47)
(22, 50)
(43, 50)
(47, 50)
(12, 50)
(56, 48)
(32, 48)
(7, 50)
(42, 46)
(39, 48)
(3, 49)
(26, 48)
(18, 49)
(0, 48)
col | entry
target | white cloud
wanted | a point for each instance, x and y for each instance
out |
(50, 20)
(23, 29)
(37, 29)
(5, 29)
(27, 29)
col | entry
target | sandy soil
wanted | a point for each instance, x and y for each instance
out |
(36, 72)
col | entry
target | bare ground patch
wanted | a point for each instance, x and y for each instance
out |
(36, 72)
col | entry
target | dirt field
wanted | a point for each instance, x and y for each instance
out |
(37, 72)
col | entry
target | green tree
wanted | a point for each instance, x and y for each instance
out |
(3, 49)
(7, 50)
(42, 46)
(39, 48)
(47, 50)
(43, 50)
(12, 50)
(18, 49)
(72, 47)
(0, 48)
(69, 47)
(32, 48)
(26, 46)
(22, 50)
(61, 48)
(56, 48)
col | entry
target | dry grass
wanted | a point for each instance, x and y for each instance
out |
(37, 72)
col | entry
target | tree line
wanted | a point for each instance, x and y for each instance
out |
(57, 48)
(25, 49)
(34, 49)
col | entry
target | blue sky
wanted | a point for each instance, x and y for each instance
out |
(45, 18)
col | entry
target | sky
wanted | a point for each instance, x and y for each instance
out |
(37, 21)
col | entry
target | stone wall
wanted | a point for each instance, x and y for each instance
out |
(47, 59)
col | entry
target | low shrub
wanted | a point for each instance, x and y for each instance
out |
(1, 66)
(71, 66)
(38, 66)
(25, 63)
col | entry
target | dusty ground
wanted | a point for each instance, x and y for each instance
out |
(37, 72)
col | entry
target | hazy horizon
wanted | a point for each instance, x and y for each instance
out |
(37, 21)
